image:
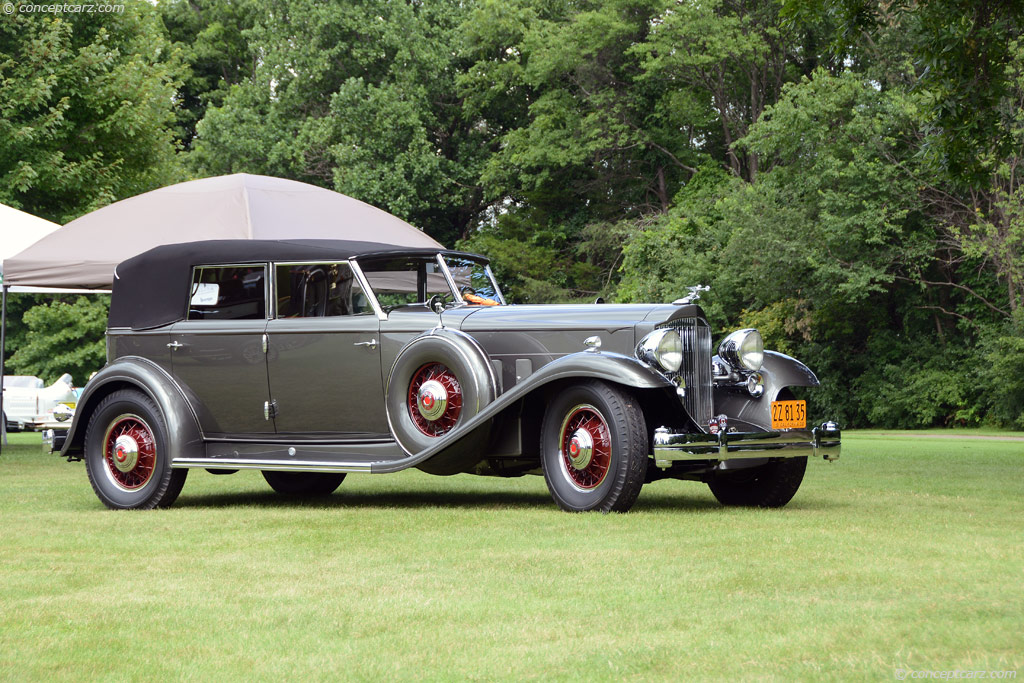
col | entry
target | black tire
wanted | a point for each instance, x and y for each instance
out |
(608, 477)
(146, 482)
(304, 484)
(768, 486)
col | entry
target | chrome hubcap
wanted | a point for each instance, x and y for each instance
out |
(126, 453)
(432, 399)
(581, 449)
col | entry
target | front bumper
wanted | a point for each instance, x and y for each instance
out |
(53, 440)
(823, 440)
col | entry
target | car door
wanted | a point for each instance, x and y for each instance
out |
(323, 355)
(217, 353)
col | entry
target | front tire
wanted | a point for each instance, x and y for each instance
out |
(127, 456)
(304, 484)
(768, 486)
(594, 448)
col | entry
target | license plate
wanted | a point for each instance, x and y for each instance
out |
(789, 414)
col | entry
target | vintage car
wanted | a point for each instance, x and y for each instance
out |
(309, 360)
(30, 404)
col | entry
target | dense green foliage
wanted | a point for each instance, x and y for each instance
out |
(85, 106)
(64, 338)
(845, 174)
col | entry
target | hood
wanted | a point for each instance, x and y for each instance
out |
(557, 329)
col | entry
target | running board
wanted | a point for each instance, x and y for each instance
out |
(338, 457)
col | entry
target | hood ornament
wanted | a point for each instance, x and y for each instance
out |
(693, 295)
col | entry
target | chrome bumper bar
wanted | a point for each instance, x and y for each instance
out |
(823, 440)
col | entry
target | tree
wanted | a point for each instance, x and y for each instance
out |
(210, 38)
(360, 98)
(86, 110)
(64, 336)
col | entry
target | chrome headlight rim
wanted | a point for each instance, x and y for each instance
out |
(662, 348)
(743, 350)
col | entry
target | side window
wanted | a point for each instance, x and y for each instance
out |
(318, 290)
(404, 281)
(228, 293)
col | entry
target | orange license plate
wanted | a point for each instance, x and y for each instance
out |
(789, 414)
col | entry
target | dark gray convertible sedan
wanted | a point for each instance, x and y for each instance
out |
(308, 360)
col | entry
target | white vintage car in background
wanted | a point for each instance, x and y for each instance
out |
(30, 404)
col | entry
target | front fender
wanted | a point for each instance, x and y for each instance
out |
(779, 371)
(133, 372)
(612, 367)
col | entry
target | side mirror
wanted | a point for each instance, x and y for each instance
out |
(436, 304)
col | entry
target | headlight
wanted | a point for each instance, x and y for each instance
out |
(63, 412)
(743, 349)
(662, 347)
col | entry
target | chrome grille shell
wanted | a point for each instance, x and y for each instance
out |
(696, 367)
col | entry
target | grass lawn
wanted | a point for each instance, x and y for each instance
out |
(908, 553)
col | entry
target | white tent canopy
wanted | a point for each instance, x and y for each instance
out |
(19, 230)
(84, 252)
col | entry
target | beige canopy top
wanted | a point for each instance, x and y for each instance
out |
(19, 230)
(84, 252)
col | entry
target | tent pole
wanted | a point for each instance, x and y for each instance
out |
(3, 354)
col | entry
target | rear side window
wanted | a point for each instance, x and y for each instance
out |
(319, 290)
(228, 293)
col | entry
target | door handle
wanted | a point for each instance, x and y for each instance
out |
(372, 344)
(175, 345)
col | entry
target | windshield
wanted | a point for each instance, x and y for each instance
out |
(405, 280)
(474, 281)
(412, 280)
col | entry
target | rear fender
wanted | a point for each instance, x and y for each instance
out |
(133, 372)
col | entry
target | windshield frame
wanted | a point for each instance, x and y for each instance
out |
(500, 298)
(439, 259)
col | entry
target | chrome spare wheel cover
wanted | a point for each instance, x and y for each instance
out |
(581, 449)
(432, 399)
(126, 453)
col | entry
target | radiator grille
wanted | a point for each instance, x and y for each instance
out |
(696, 367)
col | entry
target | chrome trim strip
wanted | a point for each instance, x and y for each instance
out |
(365, 284)
(283, 465)
(450, 278)
(494, 283)
(293, 439)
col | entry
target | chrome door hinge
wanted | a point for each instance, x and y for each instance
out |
(269, 409)
(264, 343)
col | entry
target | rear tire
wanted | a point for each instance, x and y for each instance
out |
(304, 484)
(594, 448)
(768, 486)
(127, 456)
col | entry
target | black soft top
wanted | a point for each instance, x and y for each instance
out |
(152, 289)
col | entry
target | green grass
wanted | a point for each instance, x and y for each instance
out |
(907, 553)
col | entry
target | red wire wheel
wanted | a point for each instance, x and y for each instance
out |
(585, 447)
(129, 452)
(435, 399)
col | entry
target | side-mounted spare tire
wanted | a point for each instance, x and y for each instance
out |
(438, 382)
